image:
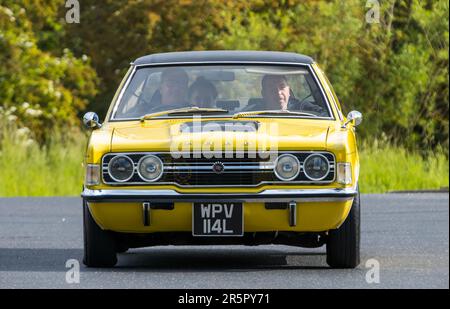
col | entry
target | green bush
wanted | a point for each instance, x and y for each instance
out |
(42, 89)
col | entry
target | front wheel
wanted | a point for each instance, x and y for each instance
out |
(99, 245)
(343, 244)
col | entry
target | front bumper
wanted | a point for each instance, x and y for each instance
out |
(310, 210)
(270, 195)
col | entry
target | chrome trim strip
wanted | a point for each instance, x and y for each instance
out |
(204, 170)
(201, 165)
(220, 62)
(292, 213)
(227, 116)
(122, 91)
(302, 182)
(270, 195)
(146, 213)
(330, 111)
(181, 153)
(209, 163)
(226, 167)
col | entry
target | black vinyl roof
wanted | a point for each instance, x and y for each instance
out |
(223, 56)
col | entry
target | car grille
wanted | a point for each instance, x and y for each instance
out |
(198, 171)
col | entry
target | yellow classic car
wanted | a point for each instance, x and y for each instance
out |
(222, 147)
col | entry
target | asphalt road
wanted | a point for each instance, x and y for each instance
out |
(407, 234)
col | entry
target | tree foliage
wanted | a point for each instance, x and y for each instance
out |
(42, 85)
(394, 71)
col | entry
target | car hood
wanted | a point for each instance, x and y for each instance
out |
(259, 134)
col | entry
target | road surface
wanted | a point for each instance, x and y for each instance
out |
(406, 234)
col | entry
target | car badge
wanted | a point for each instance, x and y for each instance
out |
(218, 167)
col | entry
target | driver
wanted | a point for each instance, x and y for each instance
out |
(277, 95)
(275, 91)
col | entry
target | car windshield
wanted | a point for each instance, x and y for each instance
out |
(221, 90)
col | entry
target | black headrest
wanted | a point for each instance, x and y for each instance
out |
(228, 104)
(255, 101)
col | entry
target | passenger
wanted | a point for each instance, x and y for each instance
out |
(202, 93)
(173, 88)
(171, 94)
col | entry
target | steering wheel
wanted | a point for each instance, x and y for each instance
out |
(304, 99)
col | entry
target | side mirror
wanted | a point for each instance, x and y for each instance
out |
(91, 120)
(355, 117)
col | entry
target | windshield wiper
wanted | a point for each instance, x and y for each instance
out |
(271, 112)
(185, 110)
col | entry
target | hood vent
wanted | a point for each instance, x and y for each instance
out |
(220, 126)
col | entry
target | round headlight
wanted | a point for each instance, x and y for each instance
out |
(150, 168)
(121, 168)
(287, 167)
(316, 167)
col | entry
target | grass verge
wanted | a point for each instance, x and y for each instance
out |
(55, 169)
(385, 168)
(28, 169)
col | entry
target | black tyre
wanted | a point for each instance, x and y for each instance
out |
(343, 244)
(99, 246)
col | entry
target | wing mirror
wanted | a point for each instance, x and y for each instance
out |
(91, 121)
(354, 117)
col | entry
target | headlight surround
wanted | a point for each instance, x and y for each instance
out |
(316, 167)
(150, 168)
(121, 168)
(287, 167)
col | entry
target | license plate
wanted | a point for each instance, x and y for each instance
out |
(217, 219)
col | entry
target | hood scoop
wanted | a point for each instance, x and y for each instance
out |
(219, 126)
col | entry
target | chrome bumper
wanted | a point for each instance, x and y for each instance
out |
(271, 195)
